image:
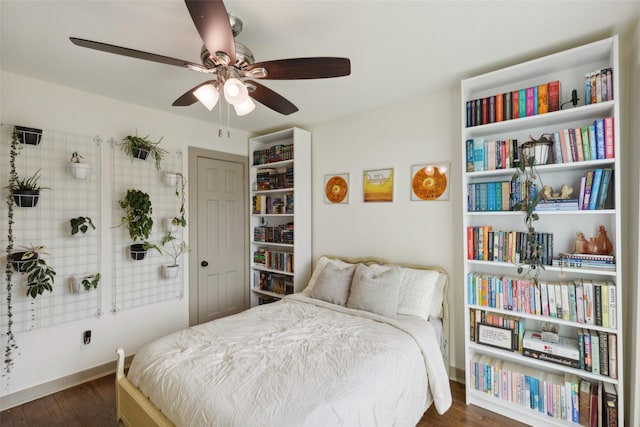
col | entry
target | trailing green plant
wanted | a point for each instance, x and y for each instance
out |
(40, 275)
(531, 185)
(180, 185)
(91, 281)
(11, 344)
(172, 248)
(138, 210)
(81, 223)
(132, 142)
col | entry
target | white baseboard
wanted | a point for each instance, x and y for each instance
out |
(27, 395)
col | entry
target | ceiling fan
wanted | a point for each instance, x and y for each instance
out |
(231, 64)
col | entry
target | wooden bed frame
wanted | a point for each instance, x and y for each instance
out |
(134, 409)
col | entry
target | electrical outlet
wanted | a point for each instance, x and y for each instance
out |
(86, 338)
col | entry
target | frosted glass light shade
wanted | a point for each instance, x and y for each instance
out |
(208, 95)
(245, 107)
(235, 91)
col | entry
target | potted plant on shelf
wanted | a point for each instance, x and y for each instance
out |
(86, 281)
(80, 225)
(172, 248)
(533, 152)
(78, 169)
(140, 148)
(40, 276)
(26, 191)
(137, 207)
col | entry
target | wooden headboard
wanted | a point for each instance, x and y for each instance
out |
(445, 306)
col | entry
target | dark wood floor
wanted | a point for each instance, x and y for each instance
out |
(93, 404)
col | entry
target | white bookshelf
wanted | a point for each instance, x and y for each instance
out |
(569, 67)
(300, 247)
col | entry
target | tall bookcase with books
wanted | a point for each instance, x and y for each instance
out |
(280, 217)
(545, 349)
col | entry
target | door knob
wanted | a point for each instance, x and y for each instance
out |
(204, 263)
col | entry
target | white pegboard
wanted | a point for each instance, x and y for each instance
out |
(137, 283)
(48, 224)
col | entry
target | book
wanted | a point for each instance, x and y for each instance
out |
(583, 181)
(588, 302)
(485, 111)
(586, 148)
(604, 352)
(568, 153)
(577, 132)
(492, 109)
(531, 101)
(508, 109)
(593, 149)
(549, 357)
(515, 103)
(587, 88)
(575, 150)
(613, 356)
(469, 153)
(553, 95)
(608, 138)
(597, 302)
(587, 190)
(565, 347)
(499, 116)
(613, 308)
(584, 402)
(595, 188)
(522, 103)
(604, 188)
(600, 141)
(543, 101)
(610, 399)
(478, 154)
(557, 150)
(595, 352)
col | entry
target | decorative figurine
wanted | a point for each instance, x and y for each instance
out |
(565, 192)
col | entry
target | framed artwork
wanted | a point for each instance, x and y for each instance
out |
(336, 188)
(495, 336)
(430, 181)
(378, 185)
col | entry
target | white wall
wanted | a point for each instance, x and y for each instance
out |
(422, 130)
(54, 352)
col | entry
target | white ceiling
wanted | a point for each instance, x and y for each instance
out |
(398, 49)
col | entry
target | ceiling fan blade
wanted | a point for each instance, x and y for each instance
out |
(188, 98)
(304, 68)
(212, 22)
(125, 51)
(271, 99)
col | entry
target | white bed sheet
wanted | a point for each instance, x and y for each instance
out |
(297, 362)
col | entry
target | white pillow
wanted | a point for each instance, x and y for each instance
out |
(320, 265)
(421, 293)
(375, 293)
(333, 284)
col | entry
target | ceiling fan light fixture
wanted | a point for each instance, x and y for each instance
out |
(245, 107)
(235, 91)
(208, 95)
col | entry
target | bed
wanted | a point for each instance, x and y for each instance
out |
(365, 344)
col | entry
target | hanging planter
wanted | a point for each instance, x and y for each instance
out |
(26, 198)
(77, 169)
(170, 271)
(138, 251)
(84, 281)
(139, 147)
(81, 225)
(139, 153)
(29, 136)
(19, 260)
(170, 179)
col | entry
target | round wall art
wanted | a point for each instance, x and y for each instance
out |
(336, 189)
(430, 182)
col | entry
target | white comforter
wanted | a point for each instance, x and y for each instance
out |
(298, 362)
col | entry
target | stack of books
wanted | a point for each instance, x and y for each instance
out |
(565, 352)
(600, 262)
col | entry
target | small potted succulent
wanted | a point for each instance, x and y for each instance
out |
(140, 148)
(26, 191)
(86, 281)
(137, 207)
(78, 169)
(81, 225)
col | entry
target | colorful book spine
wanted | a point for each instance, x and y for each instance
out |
(531, 101)
(553, 95)
(600, 143)
(608, 138)
(557, 150)
(586, 147)
(595, 188)
(543, 99)
(522, 103)
(587, 88)
(515, 102)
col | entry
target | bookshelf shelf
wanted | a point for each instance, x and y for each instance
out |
(291, 222)
(561, 227)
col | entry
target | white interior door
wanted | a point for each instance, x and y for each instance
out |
(220, 250)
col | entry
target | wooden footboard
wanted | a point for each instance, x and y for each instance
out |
(134, 409)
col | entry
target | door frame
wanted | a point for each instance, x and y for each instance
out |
(193, 155)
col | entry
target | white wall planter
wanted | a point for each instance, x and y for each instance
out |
(75, 282)
(170, 179)
(79, 170)
(170, 271)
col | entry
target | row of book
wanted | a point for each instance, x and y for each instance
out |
(582, 301)
(530, 101)
(516, 247)
(601, 262)
(282, 233)
(266, 205)
(273, 282)
(273, 260)
(592, 142)
(564, 397)
(277, 153)
(485, 155)
(598, 86)
(272, 179)
(595, 187)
